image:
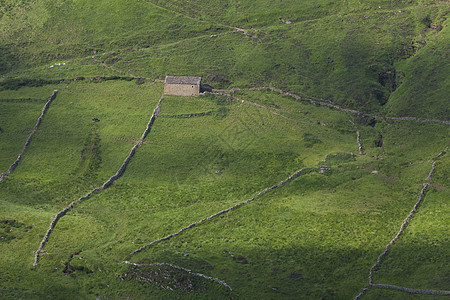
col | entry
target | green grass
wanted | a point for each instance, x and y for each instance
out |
(190, 168)
(315, 237)
(357, 54)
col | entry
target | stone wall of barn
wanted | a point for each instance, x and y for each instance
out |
(181, 89)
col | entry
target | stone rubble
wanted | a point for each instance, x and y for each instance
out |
(221, 282)
(358, 138)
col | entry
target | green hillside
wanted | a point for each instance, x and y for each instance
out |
(353, 53)
(352, 93)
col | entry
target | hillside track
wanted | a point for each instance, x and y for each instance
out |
(184, 15)
(105, 185)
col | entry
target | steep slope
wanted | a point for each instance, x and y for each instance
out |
(426, 82)
(352, 53)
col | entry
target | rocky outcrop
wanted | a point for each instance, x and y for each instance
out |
(27, 143)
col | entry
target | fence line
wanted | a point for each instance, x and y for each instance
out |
(222, 211)
(27, 143)
(402, 227)
(105, 185)
(330, 105)
(221, 282)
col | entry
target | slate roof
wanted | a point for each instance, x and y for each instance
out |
(183, 79)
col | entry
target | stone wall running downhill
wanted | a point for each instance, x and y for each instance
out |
(155, 114)
(105, 185)
(27, 143)
(402, 228)
(358, 138)
(222, 282)
(431, 172)
(223, 211)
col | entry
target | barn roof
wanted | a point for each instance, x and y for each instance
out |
(183, 79)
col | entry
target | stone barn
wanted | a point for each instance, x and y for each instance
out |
(182, 85)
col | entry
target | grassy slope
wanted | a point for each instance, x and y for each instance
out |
(284, 243)
(423, 92)
(352, 53)
(289, 235)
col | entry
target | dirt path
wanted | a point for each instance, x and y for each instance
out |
(358, 137)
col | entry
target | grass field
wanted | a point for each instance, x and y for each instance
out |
(315, 237)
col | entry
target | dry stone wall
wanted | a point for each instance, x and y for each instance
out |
(27, 143)
(105, 185)
(297, 97)
(420, 120)
(402, 228)
(409, 290)
(325, 104)
(358, 138)
(296, 174)
(224, 211)
(219, 281)
(188, 115)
